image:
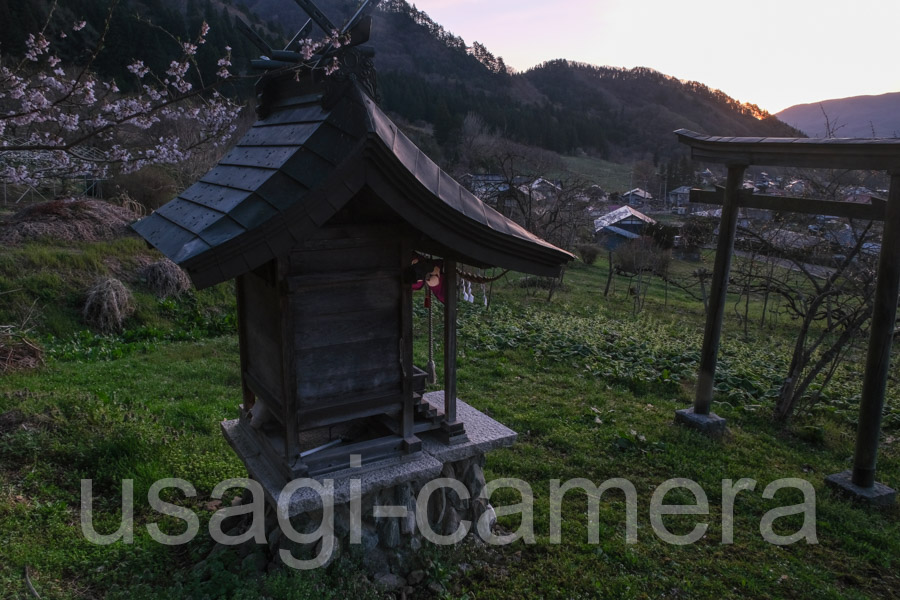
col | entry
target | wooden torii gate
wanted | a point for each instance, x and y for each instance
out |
(738, 153)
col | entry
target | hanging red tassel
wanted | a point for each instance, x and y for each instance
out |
(427, 297)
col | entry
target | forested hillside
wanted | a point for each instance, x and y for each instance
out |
(428, 75)
(432, 75)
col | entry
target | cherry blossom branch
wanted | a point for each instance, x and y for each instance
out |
(50, 118)
(58, 125)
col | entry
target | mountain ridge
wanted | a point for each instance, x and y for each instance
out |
(616, 113)
(432, 78)
(855, 116)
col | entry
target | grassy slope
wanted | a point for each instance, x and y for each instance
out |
(44, 285)
(54, 278)
(551, 402)
(590, 388)
(609, 176)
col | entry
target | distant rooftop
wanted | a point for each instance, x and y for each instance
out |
(620, 214)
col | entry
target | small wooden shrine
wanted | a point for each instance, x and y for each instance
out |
(318, 213)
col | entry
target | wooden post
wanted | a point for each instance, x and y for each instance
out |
(246, 393)
(289, 378)
(701, 277)
(884, 313)
(718, 291)
(411, 443)
(450, 341)
(609, 276)
(452, 430)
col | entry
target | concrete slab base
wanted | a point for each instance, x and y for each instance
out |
(878, 495)
(484, 433)
(711, 424)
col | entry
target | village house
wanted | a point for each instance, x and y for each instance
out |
(637, 197)
(679, 198)
(620, 225)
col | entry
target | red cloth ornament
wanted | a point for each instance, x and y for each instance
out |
(434, 279)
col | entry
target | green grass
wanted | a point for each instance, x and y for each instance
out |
(590, 387)
(610, 176)
(556, 412)
(43, 286)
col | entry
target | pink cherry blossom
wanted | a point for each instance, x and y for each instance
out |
(55, 124)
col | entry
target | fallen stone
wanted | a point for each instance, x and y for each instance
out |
(451, 521)
(474, 479)
(448, 471)
(368, 537)
(274, 538)
(389, 582)
(416, 577)
(375, 560)
(342, 520)
(407, 498)
(390, 533)
(244, 549)
(335, 553)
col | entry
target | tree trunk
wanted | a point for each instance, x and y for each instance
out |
(784, 406)
(609, 277)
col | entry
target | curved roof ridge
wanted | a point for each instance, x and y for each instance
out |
(315, 160)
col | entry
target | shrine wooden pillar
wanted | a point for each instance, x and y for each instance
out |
(450, 341)
(452, 429)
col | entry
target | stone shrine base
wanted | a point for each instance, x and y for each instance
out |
(387, 545)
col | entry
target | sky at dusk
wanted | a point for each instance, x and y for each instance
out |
(773, 53)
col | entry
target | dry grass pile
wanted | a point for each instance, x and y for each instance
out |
(108, 304)
(164, 278)
(589, 253)
(10, 420)
(149, 188)
(68, 220)
(17, 352)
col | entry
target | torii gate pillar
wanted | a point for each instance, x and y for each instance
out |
(860, 481)
(699, 415)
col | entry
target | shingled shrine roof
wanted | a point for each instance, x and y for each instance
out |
(300, 164)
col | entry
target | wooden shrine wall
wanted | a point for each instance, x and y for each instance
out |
(346, 309)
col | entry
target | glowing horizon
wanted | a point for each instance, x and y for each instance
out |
(776, 54)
